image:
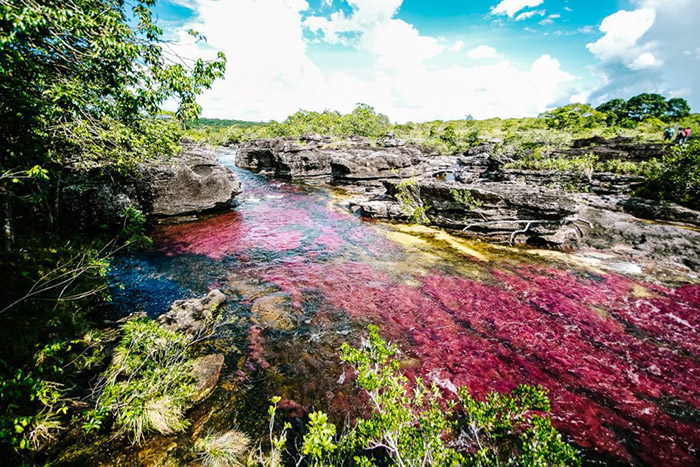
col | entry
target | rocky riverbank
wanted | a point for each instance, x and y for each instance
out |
(192, 182)
(474, 194)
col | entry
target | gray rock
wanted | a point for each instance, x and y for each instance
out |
(194, 182)
(352, 161)
(190, 183)
(193, 316)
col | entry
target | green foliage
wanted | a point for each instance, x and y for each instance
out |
(149, 383)
(647, 105)
(677, 177)
(615, 110)
(465, 198)
(78, 73)
(31, 409)
(677, 108)
(582, 165)
(617, 166)
(134, 229)
(222, 450)
(414, 425)
(412, 205)
(319, 440)
(574, 117)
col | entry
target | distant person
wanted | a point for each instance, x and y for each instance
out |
(669, 133)
(687, 134)
(679, 136)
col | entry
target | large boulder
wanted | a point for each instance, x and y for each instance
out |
(499, 211)
(320, 160)
(193, 182)
(190, 183)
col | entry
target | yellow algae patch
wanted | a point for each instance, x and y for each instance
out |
(442, 236)
(590, 263)
(460, 246)
(642, 292)
(405, 239)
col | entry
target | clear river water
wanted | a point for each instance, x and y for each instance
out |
(617, 349)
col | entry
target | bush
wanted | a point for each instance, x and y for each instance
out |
(149, 383)
(677, 177)
(412, 204)
(418, 426)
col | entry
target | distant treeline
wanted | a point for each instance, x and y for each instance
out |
(219, 123)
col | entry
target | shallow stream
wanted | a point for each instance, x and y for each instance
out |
(616, 346)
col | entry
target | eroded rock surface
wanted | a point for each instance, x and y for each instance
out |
(193, 316)
(319, 160)
(207, 371)
(194, 182)
(190, 183)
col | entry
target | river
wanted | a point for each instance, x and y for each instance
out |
(617, 347)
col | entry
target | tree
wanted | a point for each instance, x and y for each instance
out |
(574, 116)
(84, 80)
(677, 108)
(647, 105)
(616, 110)
(365, 121)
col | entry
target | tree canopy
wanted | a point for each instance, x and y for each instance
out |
(644, 106)
(85, 79)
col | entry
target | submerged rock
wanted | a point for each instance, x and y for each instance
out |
(193, 316)
(207, 371)
(274, 311)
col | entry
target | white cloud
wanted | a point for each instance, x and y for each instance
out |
(270, 74)
(393, 42)
(482, 52)
(511, 7)
(529, 14)
(645, 60)
(642, 51)
(622, 31)
(457, 46)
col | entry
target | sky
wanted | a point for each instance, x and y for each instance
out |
(421, 60)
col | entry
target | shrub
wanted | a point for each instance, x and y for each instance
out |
(412, 205)
(419, 427)
(677, 177)
(465, 198)
(149, 383)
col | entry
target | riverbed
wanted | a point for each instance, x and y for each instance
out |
(615, 344)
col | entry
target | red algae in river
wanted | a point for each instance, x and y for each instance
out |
(620, 357)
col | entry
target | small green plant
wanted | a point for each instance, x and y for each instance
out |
(148, 384)
(319, 442)
(278, 441)
(412, 205)
(466, 199)
(415, 426)
(223, 449)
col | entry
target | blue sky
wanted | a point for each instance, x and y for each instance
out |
(420, 60)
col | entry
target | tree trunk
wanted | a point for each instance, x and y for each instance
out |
(8, 234)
